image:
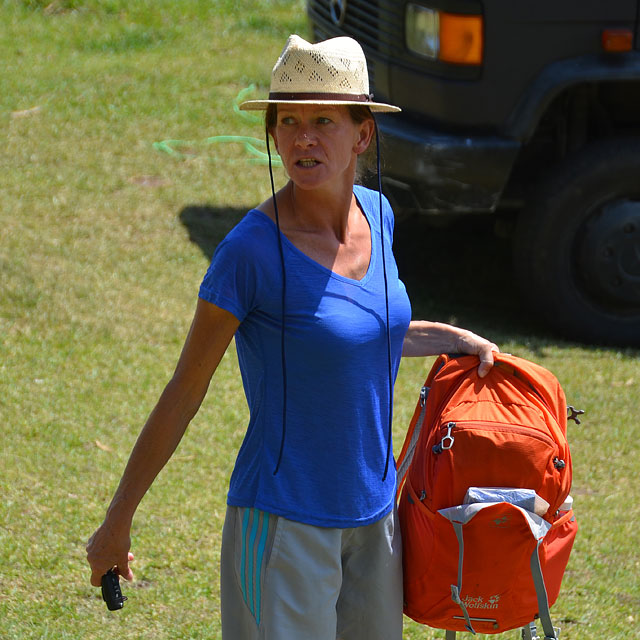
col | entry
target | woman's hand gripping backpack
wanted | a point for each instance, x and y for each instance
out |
(484, 478)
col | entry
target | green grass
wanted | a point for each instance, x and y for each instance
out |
(103, 242)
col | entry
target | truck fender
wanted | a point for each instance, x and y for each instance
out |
(561, 75)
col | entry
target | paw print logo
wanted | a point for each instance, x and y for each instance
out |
(501, 522)
(494, 599)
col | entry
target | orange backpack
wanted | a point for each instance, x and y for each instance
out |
(484, 507)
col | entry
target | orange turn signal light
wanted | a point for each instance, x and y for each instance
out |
(461, 38)
(617, 40)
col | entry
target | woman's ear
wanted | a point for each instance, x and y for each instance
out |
(272, 133)
(365, 133)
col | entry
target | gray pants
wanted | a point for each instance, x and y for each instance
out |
(283, 580)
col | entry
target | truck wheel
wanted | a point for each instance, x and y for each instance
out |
(577, 245)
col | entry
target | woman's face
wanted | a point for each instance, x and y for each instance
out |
(319, 143)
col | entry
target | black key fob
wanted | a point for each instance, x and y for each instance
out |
(111, 592)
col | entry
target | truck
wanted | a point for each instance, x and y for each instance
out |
(527, 112)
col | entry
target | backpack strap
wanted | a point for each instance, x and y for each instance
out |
(415, 427)
(411, 440)
(550, 633)
(457, 589)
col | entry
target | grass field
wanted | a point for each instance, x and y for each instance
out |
(104, 239)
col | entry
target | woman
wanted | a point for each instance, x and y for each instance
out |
(308, 286)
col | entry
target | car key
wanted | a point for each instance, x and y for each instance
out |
(111, 592)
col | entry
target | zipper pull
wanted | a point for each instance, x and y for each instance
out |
(447, 440)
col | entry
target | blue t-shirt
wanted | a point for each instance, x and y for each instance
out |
(335, 445)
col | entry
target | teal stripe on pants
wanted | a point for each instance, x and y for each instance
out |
(252, 557)
(252, 577)
(243, 560)
(260, 559)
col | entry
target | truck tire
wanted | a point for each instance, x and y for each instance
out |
(577, 245)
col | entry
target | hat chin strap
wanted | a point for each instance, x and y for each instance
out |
(386, 304)
(283, 308)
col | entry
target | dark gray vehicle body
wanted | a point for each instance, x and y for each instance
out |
(484, 139)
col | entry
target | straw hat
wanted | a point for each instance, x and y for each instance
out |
(331, 72)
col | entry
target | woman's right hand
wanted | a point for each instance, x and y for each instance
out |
(108, 548)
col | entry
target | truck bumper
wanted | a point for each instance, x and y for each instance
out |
(438, 173)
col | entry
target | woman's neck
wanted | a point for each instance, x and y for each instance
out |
(319, 209)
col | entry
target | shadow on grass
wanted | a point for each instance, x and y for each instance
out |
(461, 274)
(208, 225)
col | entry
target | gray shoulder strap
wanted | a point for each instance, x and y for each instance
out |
(402, 470)
(550, 633)
(456, 590)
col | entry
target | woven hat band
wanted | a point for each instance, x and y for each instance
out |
(314, 96)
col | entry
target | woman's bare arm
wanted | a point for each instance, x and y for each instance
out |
(425, 338)
(211, 332)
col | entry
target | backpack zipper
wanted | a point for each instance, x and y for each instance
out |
(448, 439)
(451, 430)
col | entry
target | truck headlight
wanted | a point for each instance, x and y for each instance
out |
(422, 29)
(451, 37)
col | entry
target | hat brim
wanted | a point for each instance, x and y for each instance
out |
(377, 107)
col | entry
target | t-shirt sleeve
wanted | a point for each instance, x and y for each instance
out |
(370, 199)
(231, 279)
(389, 218)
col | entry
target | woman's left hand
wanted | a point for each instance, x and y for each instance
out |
(424, 338)
(472, 344)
